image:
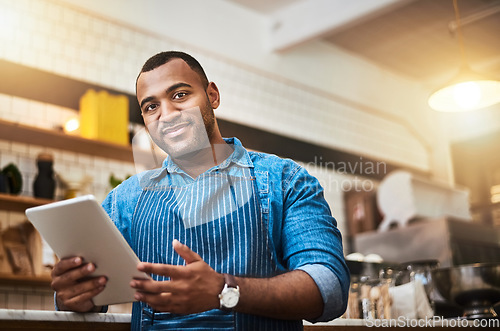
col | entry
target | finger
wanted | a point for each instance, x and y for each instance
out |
(66, 264)
(72, 276)
(155, 287)
(149, 286)
(82, 287)
(83, 301)
(185, 252)
(167, 270)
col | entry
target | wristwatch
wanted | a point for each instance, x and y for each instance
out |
(230, 294)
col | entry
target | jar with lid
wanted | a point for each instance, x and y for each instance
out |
(45, 184)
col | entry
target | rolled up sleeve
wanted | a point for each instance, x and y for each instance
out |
(311, 242)
(329, 287)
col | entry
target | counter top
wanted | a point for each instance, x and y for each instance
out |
(45, 319)
(13, 319)
(47, 315)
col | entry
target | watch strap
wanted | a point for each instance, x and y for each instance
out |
(230, 280)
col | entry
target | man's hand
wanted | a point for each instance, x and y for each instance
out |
(74, 289)
(192, 288)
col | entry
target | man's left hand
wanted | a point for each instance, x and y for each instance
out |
(192, 288)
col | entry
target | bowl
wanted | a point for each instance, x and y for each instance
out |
(367, 270)
(475, 287)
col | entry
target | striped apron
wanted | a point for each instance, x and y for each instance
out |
(218, 216)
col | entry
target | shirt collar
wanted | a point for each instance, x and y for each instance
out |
(239, 156)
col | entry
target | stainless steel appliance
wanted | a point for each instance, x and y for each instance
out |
(449, 240)
(474, 287)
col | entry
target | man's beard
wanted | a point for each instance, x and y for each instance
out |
(207, 113)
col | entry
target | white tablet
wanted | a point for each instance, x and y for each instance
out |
(81, 227)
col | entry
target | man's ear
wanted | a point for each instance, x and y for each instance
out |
(213, 95)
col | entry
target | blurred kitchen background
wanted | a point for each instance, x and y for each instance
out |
(340, 86)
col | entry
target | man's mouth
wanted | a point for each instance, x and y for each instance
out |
(175, 130)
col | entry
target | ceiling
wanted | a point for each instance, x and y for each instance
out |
(409, 37)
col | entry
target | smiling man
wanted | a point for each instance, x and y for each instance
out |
(172, 98)
(234, 240)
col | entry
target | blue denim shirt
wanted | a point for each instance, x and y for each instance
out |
(303, 234)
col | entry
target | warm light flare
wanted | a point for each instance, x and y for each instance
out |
(467, 95)
(71, 125)
(468, 90)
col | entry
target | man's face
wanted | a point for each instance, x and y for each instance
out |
(176, 108)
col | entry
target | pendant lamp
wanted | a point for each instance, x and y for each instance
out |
(468, 90)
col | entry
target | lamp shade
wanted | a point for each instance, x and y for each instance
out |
(467, 91)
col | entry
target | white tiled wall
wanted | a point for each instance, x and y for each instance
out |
(47, 35)
(26, 298)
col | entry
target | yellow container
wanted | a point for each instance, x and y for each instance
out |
(105, 117)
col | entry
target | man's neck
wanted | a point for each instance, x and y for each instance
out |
(200, 161)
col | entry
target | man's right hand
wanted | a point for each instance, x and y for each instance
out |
(73, 285)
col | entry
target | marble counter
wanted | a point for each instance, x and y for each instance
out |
(47, 315)
(61, 320)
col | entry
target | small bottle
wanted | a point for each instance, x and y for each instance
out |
(367, 305)
(353, 302)
(44, 185)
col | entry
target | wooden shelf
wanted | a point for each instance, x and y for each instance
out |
(19, 203)
(24, 280)
(59, 140)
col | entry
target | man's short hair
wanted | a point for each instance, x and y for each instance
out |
(161, 58)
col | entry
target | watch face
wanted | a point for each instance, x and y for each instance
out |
(230, 297)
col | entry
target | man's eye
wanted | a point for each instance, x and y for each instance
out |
(150, 107)
(179, 95)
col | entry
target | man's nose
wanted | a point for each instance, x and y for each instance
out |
(169, 112)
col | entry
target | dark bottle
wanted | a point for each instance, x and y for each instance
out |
(44, 185)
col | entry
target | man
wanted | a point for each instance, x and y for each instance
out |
(233, 239)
